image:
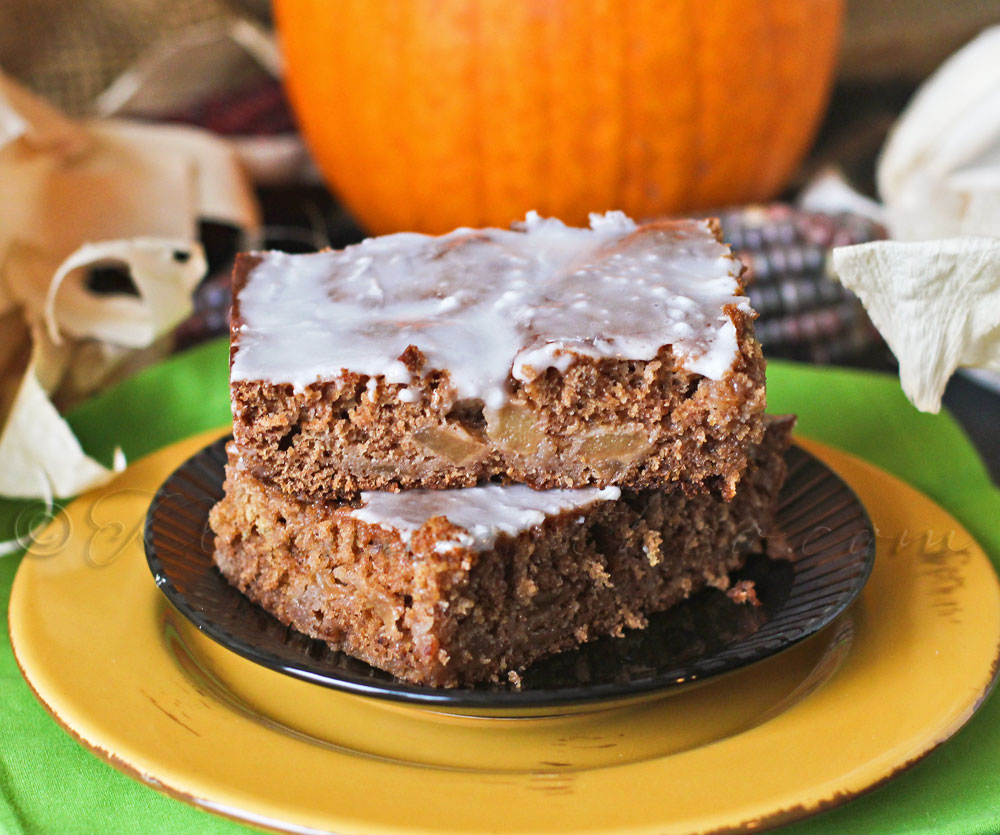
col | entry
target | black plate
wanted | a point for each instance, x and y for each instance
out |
(830, 534)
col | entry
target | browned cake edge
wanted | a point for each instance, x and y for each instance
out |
(636, 424)
(459, 616)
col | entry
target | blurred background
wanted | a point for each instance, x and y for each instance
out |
(372, 117)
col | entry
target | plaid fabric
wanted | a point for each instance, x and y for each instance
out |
(258, 109)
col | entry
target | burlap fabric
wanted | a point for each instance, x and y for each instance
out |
(71, 50)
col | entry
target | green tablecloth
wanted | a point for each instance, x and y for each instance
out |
(49, 783)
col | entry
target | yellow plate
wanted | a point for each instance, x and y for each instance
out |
(784, 738)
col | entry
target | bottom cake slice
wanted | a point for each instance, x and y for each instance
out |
(453, 587)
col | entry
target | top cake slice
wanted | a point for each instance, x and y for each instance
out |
(547, 355)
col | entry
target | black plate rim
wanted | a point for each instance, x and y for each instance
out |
(497, 700)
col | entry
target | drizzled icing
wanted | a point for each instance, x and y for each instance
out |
(491, 303)
(484, 512)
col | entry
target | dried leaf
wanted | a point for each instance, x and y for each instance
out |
(936, 303)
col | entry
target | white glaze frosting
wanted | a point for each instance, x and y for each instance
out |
(483, 512)
(487, 304)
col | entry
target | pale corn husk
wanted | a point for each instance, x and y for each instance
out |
(39, 455)
(936, 303)
(939, 172)
(934, 292)
(78, 195)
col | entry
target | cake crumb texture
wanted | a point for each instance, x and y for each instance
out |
(455, 616)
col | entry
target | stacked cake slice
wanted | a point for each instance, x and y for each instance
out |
(454, 455)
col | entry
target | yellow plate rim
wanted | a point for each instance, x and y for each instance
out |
(70, 710)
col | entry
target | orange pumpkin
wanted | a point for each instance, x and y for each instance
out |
(432, 114)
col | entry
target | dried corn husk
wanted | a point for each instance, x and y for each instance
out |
(934, 293)
(78, 195)
(939, 172)
(937, 303)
